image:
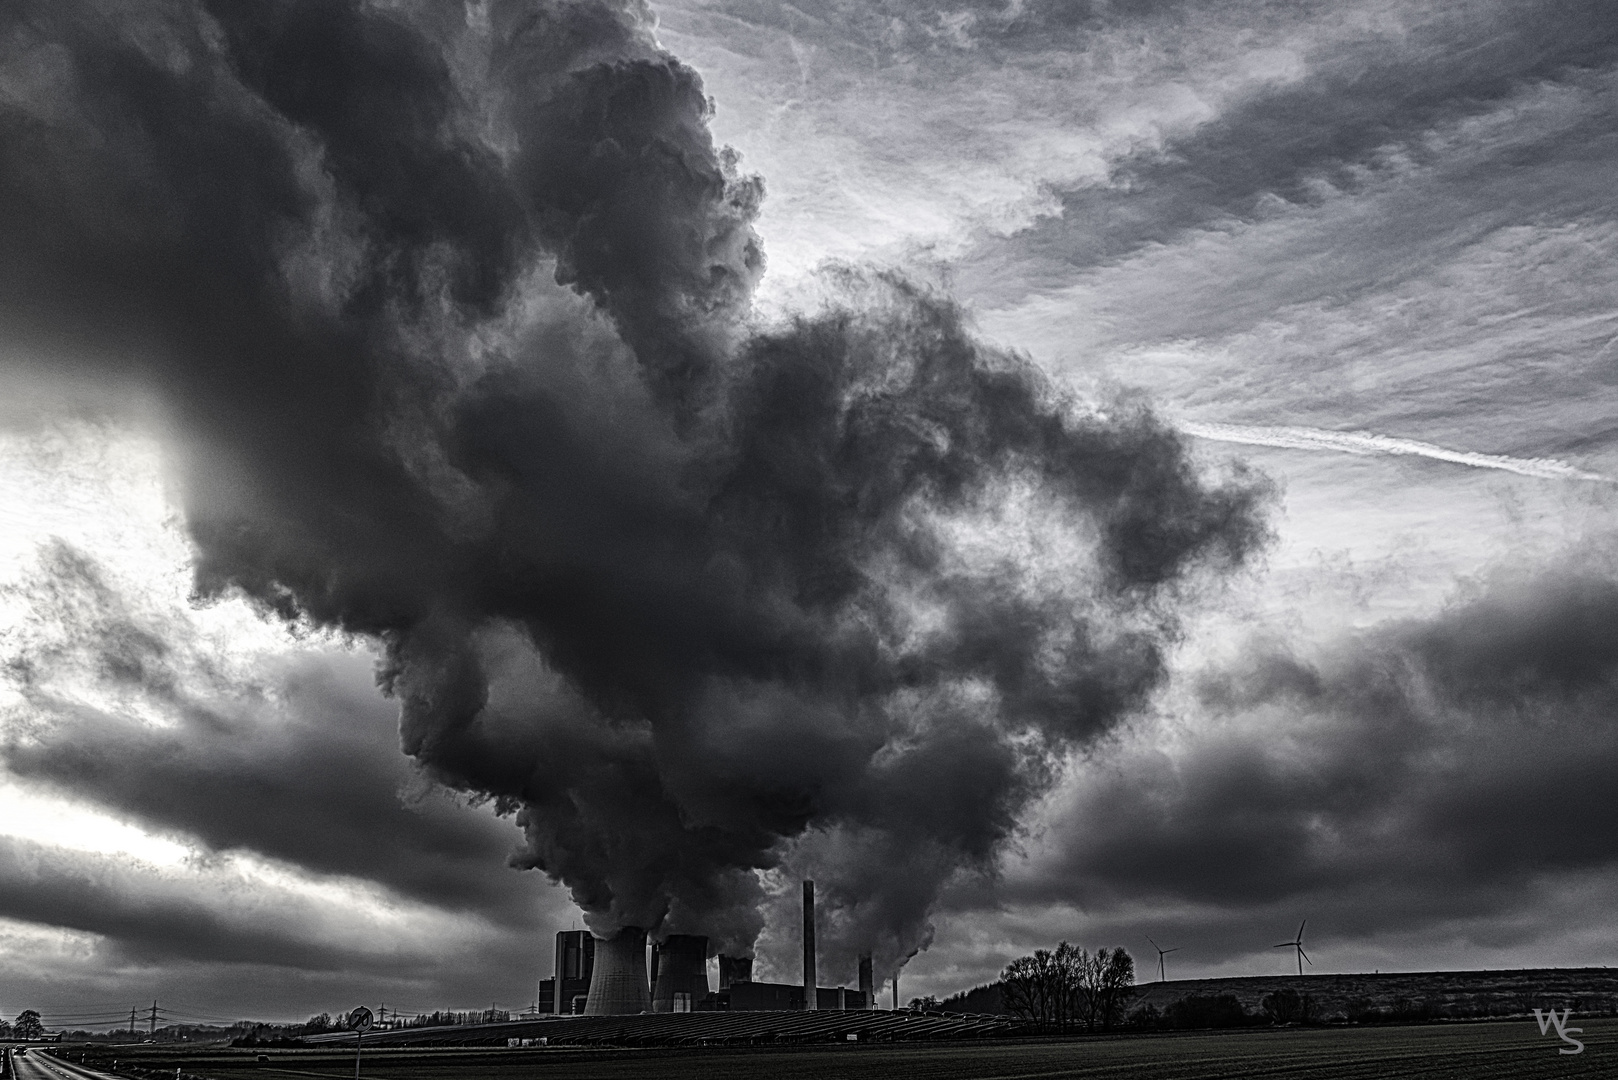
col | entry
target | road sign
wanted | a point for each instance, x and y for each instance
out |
(360, 1019)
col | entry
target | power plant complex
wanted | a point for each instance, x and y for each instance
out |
(626, 991)
(609, 977)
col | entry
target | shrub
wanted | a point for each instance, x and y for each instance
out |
(1206, 1011)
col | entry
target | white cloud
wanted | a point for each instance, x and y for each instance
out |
(28, 814)
(890, 150)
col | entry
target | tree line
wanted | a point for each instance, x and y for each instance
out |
(1069, 986)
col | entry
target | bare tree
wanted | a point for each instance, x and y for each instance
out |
(1025, 986)
(1067, 988)
(1106, 982)
(1043, 987)
(1062, 987)
(1282, 1006)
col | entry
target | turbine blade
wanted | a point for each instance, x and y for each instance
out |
(1305, 956)
(1284, 945)
(1300, 928)
(1176, 948)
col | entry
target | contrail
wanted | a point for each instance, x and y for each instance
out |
(1365, 443)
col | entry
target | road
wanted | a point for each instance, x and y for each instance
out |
(39, 1065)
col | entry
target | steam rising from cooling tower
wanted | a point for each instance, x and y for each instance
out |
(446, 304)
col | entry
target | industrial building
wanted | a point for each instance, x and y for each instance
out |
(784, 997)
(609, 977)
(567, 990)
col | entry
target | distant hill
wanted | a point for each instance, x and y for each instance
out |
(1388, 996)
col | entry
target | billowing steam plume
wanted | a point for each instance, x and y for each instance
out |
(448, 304)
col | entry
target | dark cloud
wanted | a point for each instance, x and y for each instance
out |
(102, 894)
(302, 767)
(229, 943)
(1424, 773)
(286, 782)
(448, 311)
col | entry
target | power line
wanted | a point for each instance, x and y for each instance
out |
(98, 1006)
(182, 1007)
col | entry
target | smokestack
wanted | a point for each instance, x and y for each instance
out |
(618, 984)
(867, 985)
(734, 969)
(682, 973)
(895, 991)
(809, 994)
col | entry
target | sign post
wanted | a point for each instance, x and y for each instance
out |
(359, 1022)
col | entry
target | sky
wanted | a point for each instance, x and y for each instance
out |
(1044, 470)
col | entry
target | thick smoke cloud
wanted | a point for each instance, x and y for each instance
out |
(449, 307)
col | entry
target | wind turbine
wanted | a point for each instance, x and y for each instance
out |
(1297, 943)
(1161, 952)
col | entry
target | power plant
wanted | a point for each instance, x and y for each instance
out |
(608, 977)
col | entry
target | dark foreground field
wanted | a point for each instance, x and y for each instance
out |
(1505, 1049)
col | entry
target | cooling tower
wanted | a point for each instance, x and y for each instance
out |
(867, 983)
(618, 983)
(682, 973)
(809, 994)
(734, 969)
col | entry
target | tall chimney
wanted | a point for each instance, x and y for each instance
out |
(618, 983)
(682, 974)
(809, 994)
(895, 991)
(867, 985)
